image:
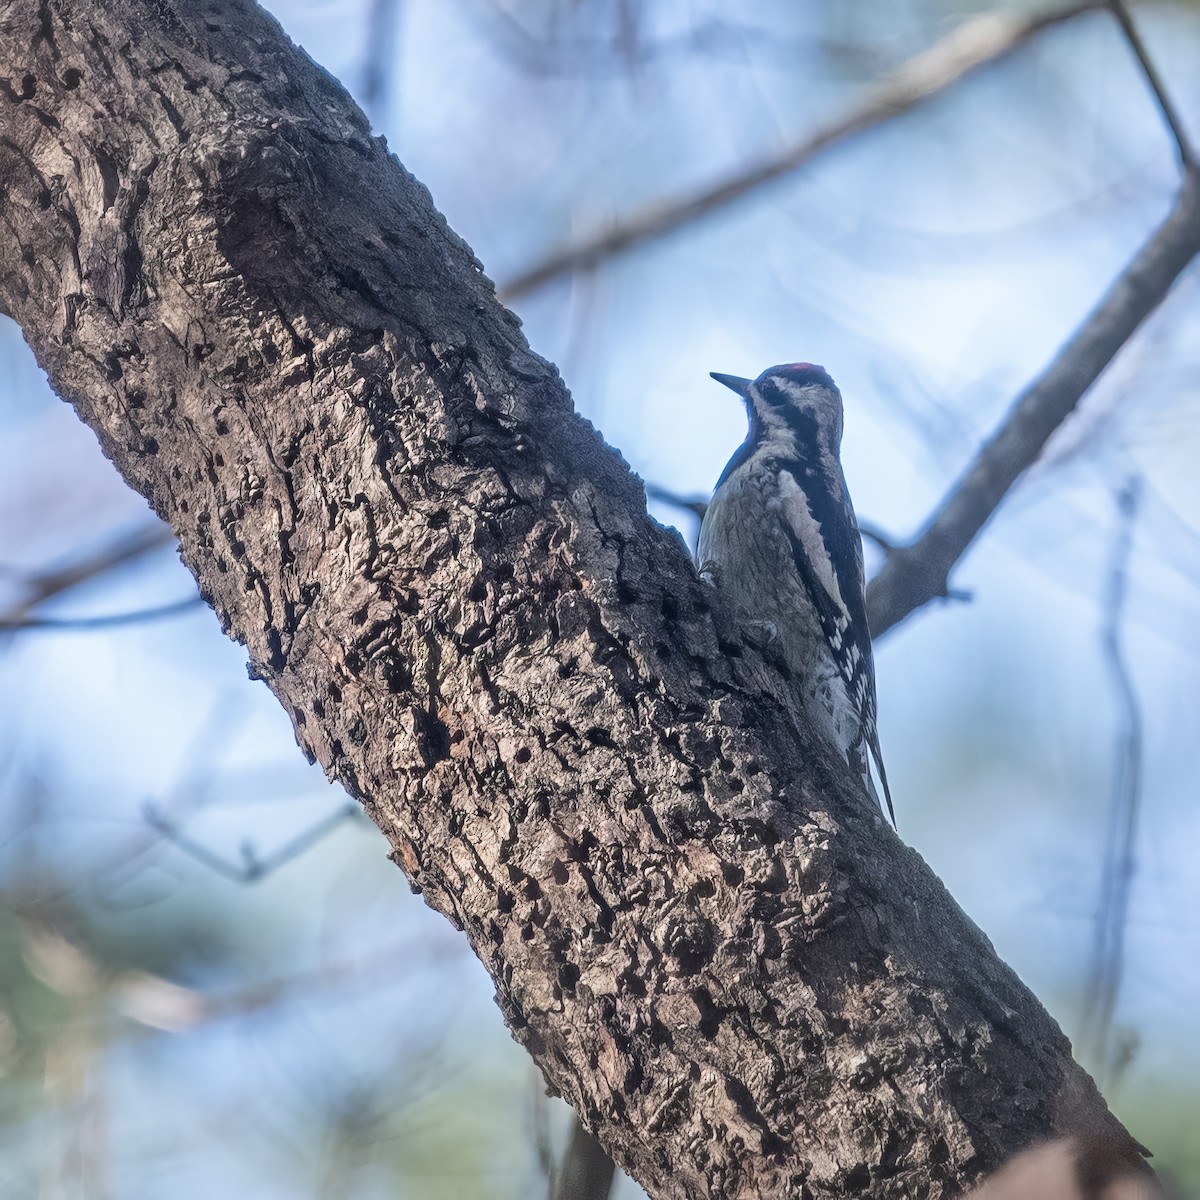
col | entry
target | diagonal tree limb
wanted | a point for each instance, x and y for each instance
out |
(695, 921)
(1170, 113)
(918, 573)
(915, 574)
(976, 43)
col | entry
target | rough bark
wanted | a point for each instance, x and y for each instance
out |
(712, 946)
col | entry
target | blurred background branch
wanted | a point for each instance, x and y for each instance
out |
(915, 574)
(1120, 856)
(253, 866)
(55, 581)
(380, 57)
(1170, 113)
(977, 42)
(105, 620)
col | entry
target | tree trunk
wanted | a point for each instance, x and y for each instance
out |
(697, 925)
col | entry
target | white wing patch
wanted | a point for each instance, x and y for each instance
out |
(799, 518)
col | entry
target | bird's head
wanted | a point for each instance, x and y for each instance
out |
(795, 400)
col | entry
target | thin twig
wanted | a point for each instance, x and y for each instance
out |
(696, 505)
(1170, 113)
(915, 574)
(252, 868)
(1108, 955)
(41, 588)
(103, 621)
(977, 42)
(379, 64)
(869, 533)
(194, 786)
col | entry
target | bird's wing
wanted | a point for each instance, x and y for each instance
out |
(819, 523)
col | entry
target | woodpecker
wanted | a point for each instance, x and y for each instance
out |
(781, 541)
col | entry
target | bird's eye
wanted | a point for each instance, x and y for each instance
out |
(777, 394)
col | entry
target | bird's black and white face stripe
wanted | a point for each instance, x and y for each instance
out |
(795, 402)
(799, 399)
(795, 413)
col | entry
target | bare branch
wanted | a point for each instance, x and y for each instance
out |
(976, 43)
(252, 868)
(1117, 881)
(869, 533)
(103, 621)
(1169, 111)
(379, 63)
(43, 587)
(915, 574)
(696, 505)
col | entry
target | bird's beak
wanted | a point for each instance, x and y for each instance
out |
(734, 382)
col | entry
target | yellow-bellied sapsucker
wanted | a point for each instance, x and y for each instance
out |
(781, 541)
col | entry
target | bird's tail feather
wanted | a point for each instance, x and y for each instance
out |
(877, 759)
